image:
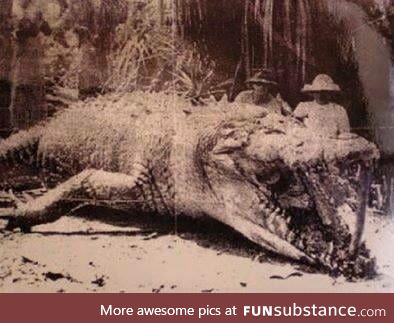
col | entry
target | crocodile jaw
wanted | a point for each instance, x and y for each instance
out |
(324, 220)
(265, 238)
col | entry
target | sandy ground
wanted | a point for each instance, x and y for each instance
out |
(79, 255)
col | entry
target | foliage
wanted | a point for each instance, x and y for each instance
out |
(61, 61)
(140, 48)
(193, 74)
(380, 15)
(147, 55)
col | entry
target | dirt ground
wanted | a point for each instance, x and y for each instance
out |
(79, 255)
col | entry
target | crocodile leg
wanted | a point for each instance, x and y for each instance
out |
(90, 184)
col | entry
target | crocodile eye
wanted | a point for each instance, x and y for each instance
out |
(355, 169)
(268, 179)
(352, 170)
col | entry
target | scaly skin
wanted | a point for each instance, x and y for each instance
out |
(265, 175)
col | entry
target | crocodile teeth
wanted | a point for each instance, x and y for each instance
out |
(139, 182)
(300, 244)
(326, 258)
(330, 247)
(281, 227)
(290, 236)
(277, 211)
(270, 222)
(263, 208)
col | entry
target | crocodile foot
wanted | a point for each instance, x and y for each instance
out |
(16, 223)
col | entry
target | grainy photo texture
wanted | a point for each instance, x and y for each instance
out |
(196, 146)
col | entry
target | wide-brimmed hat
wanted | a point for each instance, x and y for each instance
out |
(321, 83)
(263, 76)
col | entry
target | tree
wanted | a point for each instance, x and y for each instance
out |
(95, 23)
(28, 104)
(6, 54)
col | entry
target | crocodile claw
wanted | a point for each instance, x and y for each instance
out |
(15, 223)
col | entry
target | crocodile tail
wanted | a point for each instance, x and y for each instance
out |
(21, 148)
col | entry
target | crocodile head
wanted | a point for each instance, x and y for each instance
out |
(307, 193)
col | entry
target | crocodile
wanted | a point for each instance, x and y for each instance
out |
(296, 193)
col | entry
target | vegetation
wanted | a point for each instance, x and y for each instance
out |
(98, 46)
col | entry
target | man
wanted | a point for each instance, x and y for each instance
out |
(264, 86)
(322, 115)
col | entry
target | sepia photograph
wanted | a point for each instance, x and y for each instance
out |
(196, 146)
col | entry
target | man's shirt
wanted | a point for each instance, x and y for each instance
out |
(277, 105)
(329, 119)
